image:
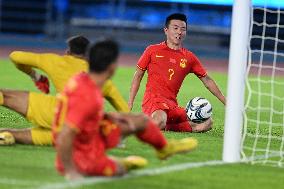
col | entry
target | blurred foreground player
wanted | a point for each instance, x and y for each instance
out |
(167, 64)
(83, 131)
(39, 108)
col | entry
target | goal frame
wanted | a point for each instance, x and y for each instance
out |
(236, 80)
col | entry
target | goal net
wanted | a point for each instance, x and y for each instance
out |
(263, 131)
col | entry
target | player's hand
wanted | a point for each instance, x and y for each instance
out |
(42, 84)
(120, 119)
(73, 175)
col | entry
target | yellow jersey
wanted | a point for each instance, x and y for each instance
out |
(60, 69)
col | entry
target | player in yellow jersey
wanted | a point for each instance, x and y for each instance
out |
(38, 108)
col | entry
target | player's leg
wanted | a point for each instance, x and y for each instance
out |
(112, 133)
(202, 127)
(147, 131)
(41, 108)
(11, 136)
(36, 136)
(105, 165)
(15, 100)
(178, 122)
(189, 126)
(160, 118)
(157, 110)
(179, 127)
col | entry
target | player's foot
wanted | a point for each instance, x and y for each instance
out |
(6, 138)
(177, 146)
(133, 162)
(43, 84)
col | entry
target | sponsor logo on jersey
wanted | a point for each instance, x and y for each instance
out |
(172, 60)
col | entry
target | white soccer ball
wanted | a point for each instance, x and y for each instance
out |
(198, 109)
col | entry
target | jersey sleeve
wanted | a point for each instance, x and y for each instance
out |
(197, 68)
(78, 108)
(44, 61)
(113, 96)
(144, 60)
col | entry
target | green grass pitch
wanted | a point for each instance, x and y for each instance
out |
(25, 166)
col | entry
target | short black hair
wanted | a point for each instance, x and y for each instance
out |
(102, 54)
(175, 16)
(78, 44)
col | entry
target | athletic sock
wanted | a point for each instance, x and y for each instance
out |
(153, 136)
(179, 127)
(177, 115)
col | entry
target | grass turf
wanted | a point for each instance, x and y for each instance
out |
(26, 166)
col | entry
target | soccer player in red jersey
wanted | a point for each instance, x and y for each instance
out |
(83, 131)
(167, 64)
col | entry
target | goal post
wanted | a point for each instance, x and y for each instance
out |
(254, 121)
(236, 80)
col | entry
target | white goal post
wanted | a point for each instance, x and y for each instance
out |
(254, 121)
(236, 80)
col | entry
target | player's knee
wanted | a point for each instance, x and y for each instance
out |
(11, 97)
(160, 118)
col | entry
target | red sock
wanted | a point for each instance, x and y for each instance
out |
(177, 115)
(152, 135)
(179, 127)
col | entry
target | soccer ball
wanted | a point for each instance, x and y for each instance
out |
(198, 109)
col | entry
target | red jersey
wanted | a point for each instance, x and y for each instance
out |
(167, 69)
(81, 107)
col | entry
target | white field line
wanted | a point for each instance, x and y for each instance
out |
(133, 174)
(19, 182)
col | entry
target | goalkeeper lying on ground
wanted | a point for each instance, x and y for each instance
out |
(39, 108)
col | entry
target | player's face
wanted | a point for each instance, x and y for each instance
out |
(176, 32)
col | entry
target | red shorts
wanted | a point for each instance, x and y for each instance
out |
(154, 102)
(176, 116)
(91, 159)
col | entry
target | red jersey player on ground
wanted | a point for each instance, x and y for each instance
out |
(83, 132)
(167, 64)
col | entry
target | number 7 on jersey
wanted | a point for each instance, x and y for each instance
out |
(172, 72)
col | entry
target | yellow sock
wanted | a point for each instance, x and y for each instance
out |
(1, 98)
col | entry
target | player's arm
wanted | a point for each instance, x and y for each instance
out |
(64, 148)
(142, 66)
(138, 75)
(210, 84)
(112, 95)
(26, 61)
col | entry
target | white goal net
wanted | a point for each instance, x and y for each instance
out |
(263, 131)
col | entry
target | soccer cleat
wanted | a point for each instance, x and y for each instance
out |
(6, 138)
(133, 162)
(43, 84)
(177, 146)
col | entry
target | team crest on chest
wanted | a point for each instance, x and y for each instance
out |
(182, 63)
